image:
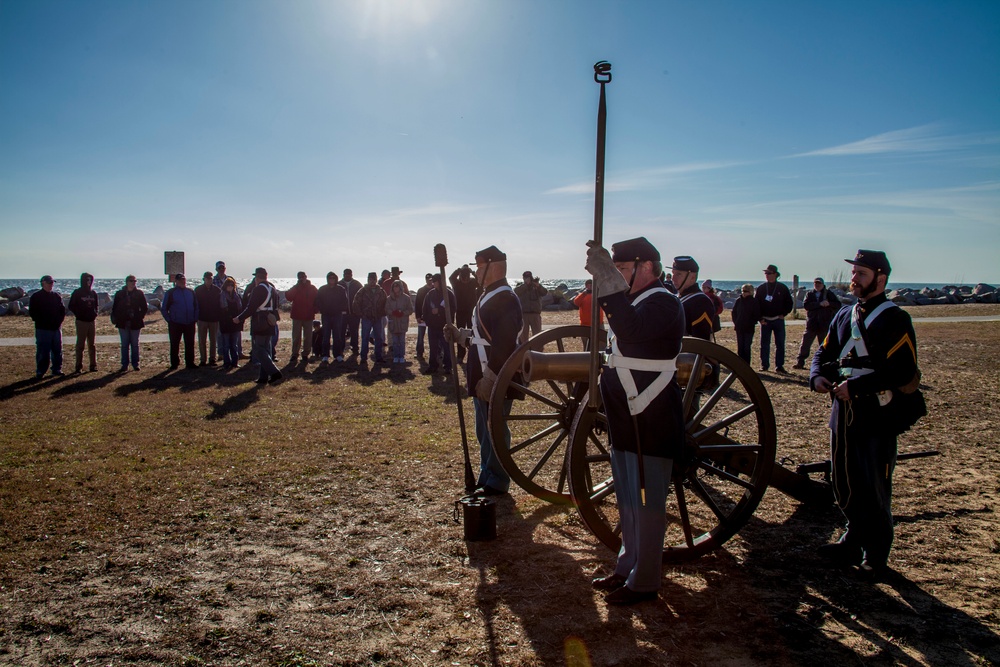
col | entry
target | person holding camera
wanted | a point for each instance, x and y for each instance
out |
(868, 364)
(530, 293)
(127, 312)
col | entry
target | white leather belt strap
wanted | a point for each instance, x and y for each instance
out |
(477, 338)
(639, 401)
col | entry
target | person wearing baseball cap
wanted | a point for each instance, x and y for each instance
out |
(775, 303)
(47, 312)
(261, 308)
(180, 311)
(644, 407)
(868, 363)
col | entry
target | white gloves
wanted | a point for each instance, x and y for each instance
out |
(607, 278)
(453, 334)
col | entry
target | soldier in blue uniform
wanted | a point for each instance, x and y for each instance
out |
(643, 404)
(496, 323)
(699, 310)
(868, 363)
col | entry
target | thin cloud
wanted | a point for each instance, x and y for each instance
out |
(438, 209)
(641, 179)
(920, 139)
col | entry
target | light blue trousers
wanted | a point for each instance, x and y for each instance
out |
(640, 559)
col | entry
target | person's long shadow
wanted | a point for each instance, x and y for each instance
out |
(85, 383)
(783, 556)
(524, 575)
(29, 386)
(235, 403)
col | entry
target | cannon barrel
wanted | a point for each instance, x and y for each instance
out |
(575, 367)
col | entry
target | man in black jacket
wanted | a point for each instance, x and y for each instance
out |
(262, 311)
(83, 305)
(209, 312)
(47, 311)
(775, 302)
(820, 305)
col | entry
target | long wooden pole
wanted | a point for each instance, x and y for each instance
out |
(602, 75)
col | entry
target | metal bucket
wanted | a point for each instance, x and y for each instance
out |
(479, 516)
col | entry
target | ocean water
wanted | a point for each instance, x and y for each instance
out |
(148, 285)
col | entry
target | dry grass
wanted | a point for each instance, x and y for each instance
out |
(192, 518)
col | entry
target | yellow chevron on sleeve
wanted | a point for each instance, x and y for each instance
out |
(704, 316)
(905, 340)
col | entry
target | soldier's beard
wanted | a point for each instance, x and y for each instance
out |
(864, 292)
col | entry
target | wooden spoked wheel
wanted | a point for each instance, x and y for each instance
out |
(536, 453)
(722, 474)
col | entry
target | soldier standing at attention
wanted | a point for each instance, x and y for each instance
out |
(874, 385)
(775, 302)
(496, 322)
(644, 407)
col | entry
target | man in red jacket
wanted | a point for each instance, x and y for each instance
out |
(303, 297)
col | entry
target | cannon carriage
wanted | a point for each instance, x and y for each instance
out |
(558, 450)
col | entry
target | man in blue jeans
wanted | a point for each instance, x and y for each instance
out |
(775, 303)
(47, 311)
(369, 302)
(262, 311)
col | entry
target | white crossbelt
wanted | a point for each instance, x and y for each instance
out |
(856, 342)
(477, 338)
(639, 401)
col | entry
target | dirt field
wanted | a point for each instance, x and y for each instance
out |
(194, 518)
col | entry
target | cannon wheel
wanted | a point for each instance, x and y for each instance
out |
(718, 480)
(537, 456)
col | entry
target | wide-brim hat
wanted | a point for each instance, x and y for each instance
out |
(872, 259)
(634, 250)
(771, 268)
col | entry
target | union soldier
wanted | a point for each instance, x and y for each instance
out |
(644, 407)
(496, 323)
(868, 362)
(699, 309)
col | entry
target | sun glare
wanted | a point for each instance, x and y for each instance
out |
(387, 17)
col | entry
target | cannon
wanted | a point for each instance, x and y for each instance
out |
(555, 446)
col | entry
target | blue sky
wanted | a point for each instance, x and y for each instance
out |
(312, 136)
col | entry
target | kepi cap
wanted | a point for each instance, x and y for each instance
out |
(872, 259)
(685, 263)
(491, 254)
(635, 250)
